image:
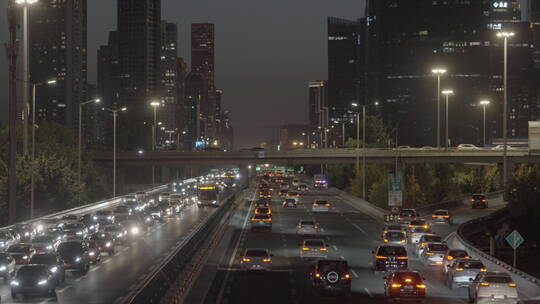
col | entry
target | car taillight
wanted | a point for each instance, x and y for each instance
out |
(317, 275)
(429, 253)
(421, 286)
(402, 258)
(450, 257)
(305, 248)
(484, 200)
(386, 240)
(246, 259)
(347, 276)
(381, 257)
(267, 260)
(323, 249)
(396, 285)
(512, 284)
(484, 284)
(459, 269)
(483, 269)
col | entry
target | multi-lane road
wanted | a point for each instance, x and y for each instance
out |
(351, 233)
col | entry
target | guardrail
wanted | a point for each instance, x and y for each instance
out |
(480, 222)
(153, 288)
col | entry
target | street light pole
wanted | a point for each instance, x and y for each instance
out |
(505, 36)
(438, 72)
(447, 93)
(115, 114)
(154, 105)
(364, 152)
(79, 150)
(484, 103)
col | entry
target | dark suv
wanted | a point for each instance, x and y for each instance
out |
(331, 276)
(479, 201)
(75, 255)
(388, 257)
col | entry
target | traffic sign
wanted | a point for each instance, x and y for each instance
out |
(395, 186)
(515, 239)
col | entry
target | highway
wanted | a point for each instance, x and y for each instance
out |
(112, 278)
(352, 235)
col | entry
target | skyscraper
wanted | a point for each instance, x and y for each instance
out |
(318, 112)
(108, 71)
(169, 76)
(58, 51)
(139, 33)
(343, 65)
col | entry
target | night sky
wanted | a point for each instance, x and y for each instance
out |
(266, 53)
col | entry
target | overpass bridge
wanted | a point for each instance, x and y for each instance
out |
(311, 157)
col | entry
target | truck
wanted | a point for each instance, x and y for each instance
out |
(320, 181)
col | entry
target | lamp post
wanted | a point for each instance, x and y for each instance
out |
(354, 104)
(505, 36)
(308, 139)
(484, 103)
(79, 150)
(26, 73)
(115, 114)
(447, 93)
(33, 153)
(438, 72)
(155, 105)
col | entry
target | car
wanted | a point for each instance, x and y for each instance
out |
(21, 252)
(391, 227)
(45, 243)
(395, 237)
(331, 276)
(493, 287)
(416, 233)
(26, 232)
(290, 203)
(284, 186)
(390, 257)
(118, 232)
(163, 196)
(121, 211)
(42, 226)
(166, 208)
(417, 223)
(261, 203)
(104, 242)
(53, 262)
(320, 206)
(156, 213)
(406, 216)
(425, 240)
(256, 259)
(129, 198)
(263, 210)
(307, 227)
(7, 265)
(141, 196)
(33, 279)
(265, 195)
(283, 192)
(90, 221)
(462, 271)
(75, 231)
(75, 255)
(69, 218)
(302, 187)
(293, 194)
(6, 239)
(441, 216)
(134, 227)
(94, 254)
(433, 254)
(313, 249)
(479, 201)
(261, 222)
(295, 182)
(405, 285)
(468, 147)
(501, 147)
(404, 147)
(105, 216)
(452, 255)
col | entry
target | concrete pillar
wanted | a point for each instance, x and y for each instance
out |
(165, 175)
(244, 174)
(510, 170)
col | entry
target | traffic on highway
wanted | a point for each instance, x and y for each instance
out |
(297, 242)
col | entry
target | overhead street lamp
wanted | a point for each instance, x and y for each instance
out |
(484, 103)
(155, 105)
(33, 153)
(115, 114)
(447, 93)
(354, 104)
(505, 36)
(438, 72)
(26, 70)
(79, 151)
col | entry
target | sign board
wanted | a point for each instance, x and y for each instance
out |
(515, 239)
(395, 189)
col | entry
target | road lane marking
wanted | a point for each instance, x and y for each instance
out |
(358, 227)
(106, 261)
(94, 268)
(64, 288)
(355, 274)
(369, 293)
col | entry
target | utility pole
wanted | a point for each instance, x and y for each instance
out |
(12, 48)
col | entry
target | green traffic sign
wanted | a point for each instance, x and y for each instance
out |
(515, 239)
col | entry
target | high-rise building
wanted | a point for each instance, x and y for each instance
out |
(534, 17)
(139, 33)
(196, 90)
(343, 65)
(405, 40)
(169, 76)
(318, 112)
(294, 136)
(58, 51)
(108, 72)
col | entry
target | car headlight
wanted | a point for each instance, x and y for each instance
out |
(39, 227)
(91, 253)
(91, 227)
(54, 269)
(42, 282)
(27, 233)
(109, 217)
(49, 247)
(79, 233)
(134, 230)
(25, 257)
(94, 218)
(14, 283)
(120, 234)
(3, 268)
(214, 202)
(77, 259)
(148, 219)
(108, 244)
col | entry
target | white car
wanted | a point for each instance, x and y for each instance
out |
(307, 227)
(451, 255)
(468, 147)
(320, 206)
(493, 287)
(417, 232)
(433, 254)
(257, 259)
(501, 147)
(425, 240)
(313, 249)
(6, 239)
(7, 265)
(462, 271)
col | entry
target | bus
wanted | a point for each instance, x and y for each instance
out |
(207, 195)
